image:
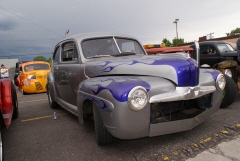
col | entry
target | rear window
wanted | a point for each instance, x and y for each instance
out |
(32, 67)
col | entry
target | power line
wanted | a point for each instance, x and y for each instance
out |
(31, 22)
(33, 40)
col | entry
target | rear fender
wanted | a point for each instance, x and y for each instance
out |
(6, 104)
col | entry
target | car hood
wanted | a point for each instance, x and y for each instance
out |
(181, 70)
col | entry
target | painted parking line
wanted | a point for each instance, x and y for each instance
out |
(43, 117)
(33, 100)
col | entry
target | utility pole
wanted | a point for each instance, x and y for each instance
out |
(66, 33)
(176, 21)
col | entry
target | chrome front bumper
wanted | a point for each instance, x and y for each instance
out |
(183, 93)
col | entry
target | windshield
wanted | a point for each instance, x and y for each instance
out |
(225, 47)
(110, 47)
(32, 67)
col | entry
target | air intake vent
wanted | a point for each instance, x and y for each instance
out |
(38, 86)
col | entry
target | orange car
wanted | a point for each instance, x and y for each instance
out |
(33, 77)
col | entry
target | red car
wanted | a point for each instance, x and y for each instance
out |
(8, 105)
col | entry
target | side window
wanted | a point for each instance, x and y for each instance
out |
(207, 49)
(56, 55)
(69, 52)
(204, 49)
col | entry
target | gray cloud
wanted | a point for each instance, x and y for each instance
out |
(6, 25)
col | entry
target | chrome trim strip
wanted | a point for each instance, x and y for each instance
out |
(183, 93)
(197, 52)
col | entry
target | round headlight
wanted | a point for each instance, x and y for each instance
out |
(27, 83)
(137, 98)
(220, 82)
(228, 72)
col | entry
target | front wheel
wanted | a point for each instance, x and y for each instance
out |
(229, 93)
(52, 104)
(102, 135)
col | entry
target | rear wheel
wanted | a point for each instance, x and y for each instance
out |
(102, 135)
(229, 93)
(53, 104)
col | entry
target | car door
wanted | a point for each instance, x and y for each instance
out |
(209, 55)
(55, 71)
(69, 70)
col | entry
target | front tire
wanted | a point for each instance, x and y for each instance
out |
(229, 93)
(102, 135)
(52, 104)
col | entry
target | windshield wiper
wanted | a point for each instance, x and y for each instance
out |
(98, 56)
(124, 54)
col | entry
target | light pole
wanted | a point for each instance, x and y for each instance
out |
(176, 21)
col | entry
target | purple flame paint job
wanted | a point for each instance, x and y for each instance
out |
(118, 89)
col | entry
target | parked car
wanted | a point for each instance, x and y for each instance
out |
(33, 77)
(213, 53)
(8, 106)
(130, 94)
(230, 91)
(17, 71)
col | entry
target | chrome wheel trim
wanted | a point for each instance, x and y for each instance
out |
(1, 152)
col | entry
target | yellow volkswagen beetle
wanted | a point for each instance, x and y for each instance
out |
(33, 77)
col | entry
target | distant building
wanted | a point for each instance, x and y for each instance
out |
(10, 63)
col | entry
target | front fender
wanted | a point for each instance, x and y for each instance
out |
(227, 64)
(108, 93)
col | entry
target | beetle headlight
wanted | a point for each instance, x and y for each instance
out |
(27, 83)
(220, 82)
(228, 72)
(31, 76)
(137, 98)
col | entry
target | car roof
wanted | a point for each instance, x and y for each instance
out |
(34, 62)
(212, 42)
(80, 37)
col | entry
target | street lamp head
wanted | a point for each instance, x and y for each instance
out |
(176, 20)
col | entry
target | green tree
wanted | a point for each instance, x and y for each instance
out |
(176, 42)
(234, 32)
(40, 58)
(167, 42)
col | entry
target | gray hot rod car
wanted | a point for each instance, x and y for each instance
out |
(130, 94)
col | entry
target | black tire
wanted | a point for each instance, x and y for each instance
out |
(23, 92)
(102, 136)
(15, 80)
(229, 93)
(234, 74)
(14, 102)
(52, 104)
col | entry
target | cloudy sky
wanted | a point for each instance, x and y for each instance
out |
(30, 28)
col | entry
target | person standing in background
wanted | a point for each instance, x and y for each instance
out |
(4, 72)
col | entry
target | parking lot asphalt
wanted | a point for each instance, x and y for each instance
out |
(35, 135)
